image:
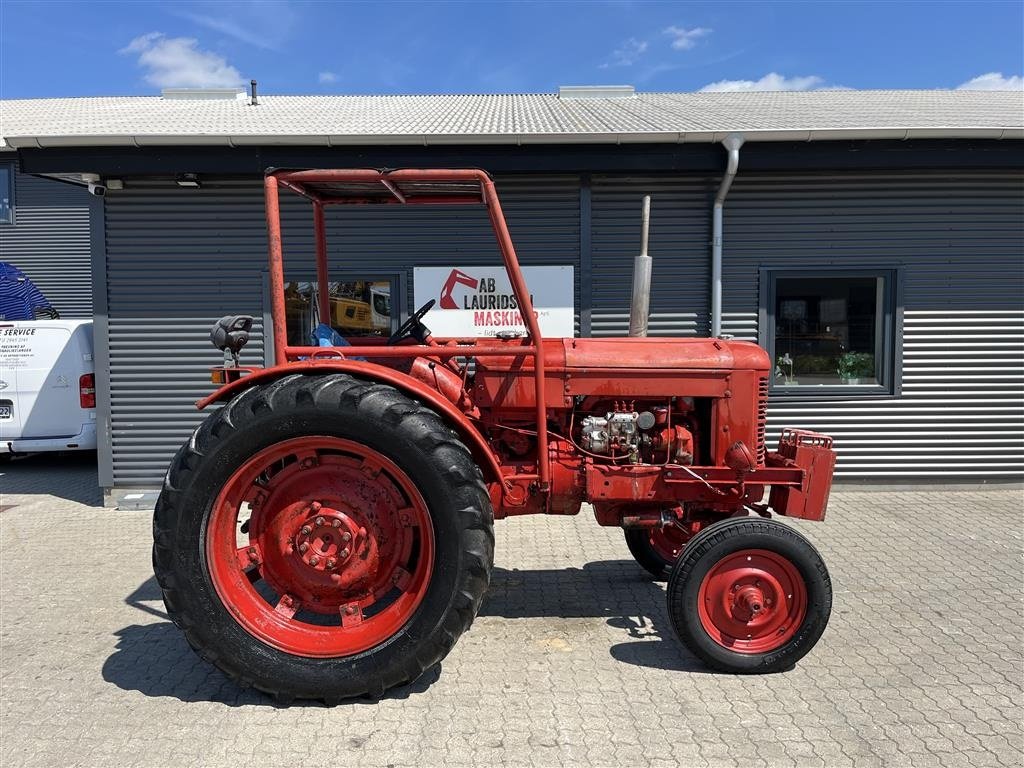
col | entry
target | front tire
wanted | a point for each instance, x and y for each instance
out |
(323, 537)
(749, 596)
(656, 549)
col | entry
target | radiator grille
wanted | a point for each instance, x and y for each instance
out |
(762, 417)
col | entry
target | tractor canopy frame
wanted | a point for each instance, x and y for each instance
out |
(402, 187)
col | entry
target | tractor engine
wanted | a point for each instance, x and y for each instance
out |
(643, 436)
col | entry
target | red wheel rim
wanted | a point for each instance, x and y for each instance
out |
(752, 601)
(320, 547)
(668, 541)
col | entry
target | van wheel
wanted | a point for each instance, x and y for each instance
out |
(323, 537)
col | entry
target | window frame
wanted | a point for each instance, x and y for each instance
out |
(11, 172)
(399, 292)
(890, 382)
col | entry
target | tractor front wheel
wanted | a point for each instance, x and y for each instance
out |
(656, 549)
(749, 596)
(323, 537)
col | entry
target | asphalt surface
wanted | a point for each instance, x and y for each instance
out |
(570, 662)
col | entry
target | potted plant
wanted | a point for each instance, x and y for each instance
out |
(784, 370)
(854, 366)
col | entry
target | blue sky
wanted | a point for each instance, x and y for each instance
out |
(114, 48)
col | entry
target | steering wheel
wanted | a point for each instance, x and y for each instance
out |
(413, 326)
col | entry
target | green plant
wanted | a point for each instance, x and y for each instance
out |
(856, 365)
(784, 369)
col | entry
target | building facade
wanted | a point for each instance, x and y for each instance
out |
(885, 277)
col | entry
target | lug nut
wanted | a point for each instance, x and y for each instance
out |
(343, 554)
(303, 547)
(306, 530)
(319, 521)
(314, 560)
(336, 523)
(330, 562)
(346, 536)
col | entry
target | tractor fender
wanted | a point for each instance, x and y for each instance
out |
(413, 387)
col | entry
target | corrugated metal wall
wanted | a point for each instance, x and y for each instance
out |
(177, 259)
(959, 239)
(679, 235)
(49, 241)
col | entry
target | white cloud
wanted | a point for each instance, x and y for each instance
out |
(264, 24)
(993, 81)
(231, 29)
(684, 39)
(773, 81)
(627, 53)
(327, 77)
(178, 62)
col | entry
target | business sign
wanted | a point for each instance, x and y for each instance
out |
(478, 301)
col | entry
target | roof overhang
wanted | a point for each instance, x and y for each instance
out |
(423, 140)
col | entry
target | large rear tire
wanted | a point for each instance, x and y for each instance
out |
(749, 596)
(323, 537)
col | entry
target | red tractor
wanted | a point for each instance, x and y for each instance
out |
(328, 531)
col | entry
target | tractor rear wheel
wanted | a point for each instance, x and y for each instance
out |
(323, 537)
(749, 596)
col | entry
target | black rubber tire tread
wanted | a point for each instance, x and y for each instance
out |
(708, 548)
(638, 541)
(413, 436)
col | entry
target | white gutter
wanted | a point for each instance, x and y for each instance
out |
(442, 139)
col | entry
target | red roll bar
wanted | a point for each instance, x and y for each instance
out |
(401, 187)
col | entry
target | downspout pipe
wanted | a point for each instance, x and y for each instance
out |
(732, 144)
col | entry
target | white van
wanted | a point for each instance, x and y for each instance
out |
(47, 386)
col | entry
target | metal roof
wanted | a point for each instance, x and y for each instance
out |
(511, 118)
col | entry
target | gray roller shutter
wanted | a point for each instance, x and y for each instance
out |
(679, 237)
(959, 241)
(179, 258)
(49, 241)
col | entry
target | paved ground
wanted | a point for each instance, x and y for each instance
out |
(569, 663)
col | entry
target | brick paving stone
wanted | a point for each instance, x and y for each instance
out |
(571, 661)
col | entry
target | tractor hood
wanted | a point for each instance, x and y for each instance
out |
(664, 353)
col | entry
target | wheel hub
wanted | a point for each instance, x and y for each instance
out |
(327, 539)
(748, 603)
(752, 601)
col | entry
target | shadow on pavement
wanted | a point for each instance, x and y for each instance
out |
(618, 590)
(155, 659)
(70, 476)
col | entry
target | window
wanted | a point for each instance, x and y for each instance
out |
(6, 193)
(358, 308)
(830, 331)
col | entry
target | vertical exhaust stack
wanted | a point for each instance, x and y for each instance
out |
(640, 304)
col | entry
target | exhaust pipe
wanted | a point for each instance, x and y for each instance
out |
(640, 304)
